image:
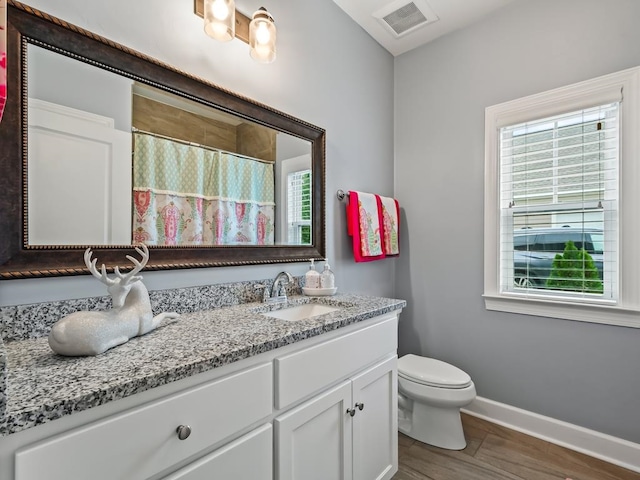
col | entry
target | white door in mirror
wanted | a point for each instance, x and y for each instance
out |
(66, 147)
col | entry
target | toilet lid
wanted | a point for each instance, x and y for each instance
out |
(432, 372)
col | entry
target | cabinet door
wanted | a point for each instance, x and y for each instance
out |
(313, 441)
(375, 427)
(249, 457)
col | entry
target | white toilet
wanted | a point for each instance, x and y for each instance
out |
(431, 393)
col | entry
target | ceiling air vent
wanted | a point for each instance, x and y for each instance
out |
(402, 17)
(405, 18)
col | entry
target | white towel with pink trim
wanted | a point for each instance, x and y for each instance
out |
(390, 216)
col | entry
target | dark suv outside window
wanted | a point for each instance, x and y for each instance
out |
(535, 249)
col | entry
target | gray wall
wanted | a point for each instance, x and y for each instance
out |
(329, 72)
(64, 81)
(585, 374)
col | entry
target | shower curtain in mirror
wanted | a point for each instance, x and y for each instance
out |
(191, 195)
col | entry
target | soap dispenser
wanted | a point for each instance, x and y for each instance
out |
(312, 277)
(327, 279)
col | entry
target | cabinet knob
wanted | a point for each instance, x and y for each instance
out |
(351, 411)
(360, 406)
(183, 432)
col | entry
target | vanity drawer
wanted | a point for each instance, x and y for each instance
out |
(143, 441)
(302, 373)
(249, 457)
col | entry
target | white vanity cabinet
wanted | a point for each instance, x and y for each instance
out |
(144, 441)
(350, 430)
(321, 408)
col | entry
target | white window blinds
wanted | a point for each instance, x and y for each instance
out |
(559, 205)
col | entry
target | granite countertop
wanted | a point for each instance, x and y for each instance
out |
(42, 386)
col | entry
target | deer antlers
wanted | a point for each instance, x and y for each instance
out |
(125, 279)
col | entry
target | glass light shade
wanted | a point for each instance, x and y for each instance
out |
(220, 19)
(262, 37)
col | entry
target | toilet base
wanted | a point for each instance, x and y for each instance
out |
(437, 426)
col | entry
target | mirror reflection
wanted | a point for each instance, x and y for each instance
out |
(112, 162)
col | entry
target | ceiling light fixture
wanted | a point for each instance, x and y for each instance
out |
(223, 22)
(262, 37)
(220, 19)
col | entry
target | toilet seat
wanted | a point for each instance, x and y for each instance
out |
(432, 372)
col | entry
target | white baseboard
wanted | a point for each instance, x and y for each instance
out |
(595, 444)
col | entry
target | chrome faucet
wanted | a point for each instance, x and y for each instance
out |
(278, 294)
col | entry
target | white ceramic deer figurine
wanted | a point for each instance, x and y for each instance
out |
(92, 333)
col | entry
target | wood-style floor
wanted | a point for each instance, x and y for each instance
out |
(497, 453)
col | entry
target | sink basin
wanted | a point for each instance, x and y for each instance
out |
(301, 312)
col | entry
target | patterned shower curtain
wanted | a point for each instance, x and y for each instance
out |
(190, 195)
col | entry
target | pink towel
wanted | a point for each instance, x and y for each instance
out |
(364, 224)
(391, 225)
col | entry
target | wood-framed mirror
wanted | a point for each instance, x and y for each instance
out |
(39, 178)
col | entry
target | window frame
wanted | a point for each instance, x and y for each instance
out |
(295, 225)
(623, 86)
(283, 169)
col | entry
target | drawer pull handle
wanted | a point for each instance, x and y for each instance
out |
(351, 411)
(360, 406)
(183, 432)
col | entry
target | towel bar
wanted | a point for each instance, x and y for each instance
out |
(342, 195)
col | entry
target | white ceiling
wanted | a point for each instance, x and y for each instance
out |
(443, 16)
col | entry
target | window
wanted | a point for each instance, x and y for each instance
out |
(558, 179)
(559, 216)
(299, 207)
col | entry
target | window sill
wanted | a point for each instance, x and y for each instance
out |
(604, 314)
